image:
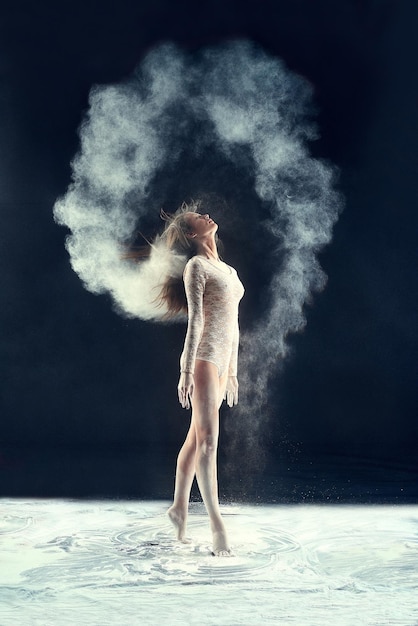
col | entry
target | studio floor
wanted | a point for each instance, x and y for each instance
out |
(110, 562)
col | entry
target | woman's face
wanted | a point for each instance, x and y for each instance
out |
(201, 224)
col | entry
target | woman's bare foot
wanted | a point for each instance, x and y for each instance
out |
(220, 544)
(222, 553)
(179, 522)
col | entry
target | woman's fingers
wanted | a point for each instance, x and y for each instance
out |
(230, 398)
(189, 395)
(182, 397)
(185, 395)
(231, 391)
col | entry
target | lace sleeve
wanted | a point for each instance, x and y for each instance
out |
(194, 283)
(233, 363)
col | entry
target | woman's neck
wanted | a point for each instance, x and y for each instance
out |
(208, 249)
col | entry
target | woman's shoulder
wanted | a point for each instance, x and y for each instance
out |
(195, 259)
(194, 262)
(195, 265)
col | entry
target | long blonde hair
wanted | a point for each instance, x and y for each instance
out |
(172, 294)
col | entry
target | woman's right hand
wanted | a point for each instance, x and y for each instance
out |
(185, 389)
(231, 391)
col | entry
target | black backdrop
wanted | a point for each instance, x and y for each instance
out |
(88, 399)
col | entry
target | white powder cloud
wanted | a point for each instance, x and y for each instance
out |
(227, 97)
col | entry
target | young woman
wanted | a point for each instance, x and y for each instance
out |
(208, 363)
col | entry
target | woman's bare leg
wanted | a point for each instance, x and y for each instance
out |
(221, 393)
(185, 472)
(205, 417)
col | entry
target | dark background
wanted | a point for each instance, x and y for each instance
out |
(88, 399)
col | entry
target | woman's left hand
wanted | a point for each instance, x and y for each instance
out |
(231, 391)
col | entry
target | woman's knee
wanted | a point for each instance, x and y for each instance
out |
(207, 443)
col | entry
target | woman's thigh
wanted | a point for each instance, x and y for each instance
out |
(205, 399)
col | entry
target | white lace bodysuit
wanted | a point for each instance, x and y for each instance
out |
(213, 293)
